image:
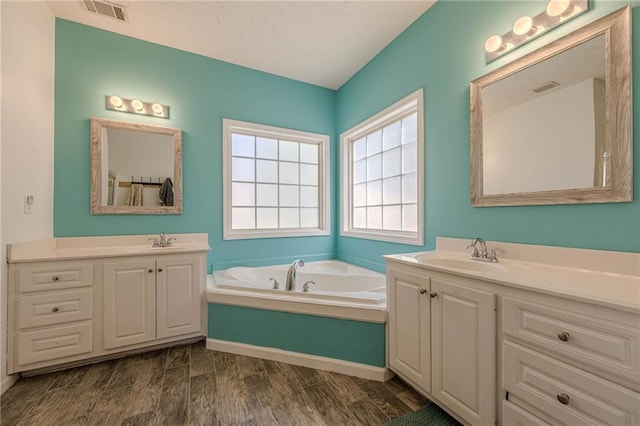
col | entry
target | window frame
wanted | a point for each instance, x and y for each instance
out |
(406, 106)
(229, 127)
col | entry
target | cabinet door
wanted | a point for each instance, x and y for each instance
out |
(409, 326)
(129, 303)
(179, 298)
(463, 339)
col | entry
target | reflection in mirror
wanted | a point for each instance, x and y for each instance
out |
(136, 168)
(540, 133)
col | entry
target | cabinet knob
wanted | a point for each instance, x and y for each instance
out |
(150, 270)
(55, 309)
(55, 278)
(433, 294)
(423, 291)
(160, 269)
(563, 398)
(564, 336)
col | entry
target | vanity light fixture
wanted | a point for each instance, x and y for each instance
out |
(526, 28)
(136, 106)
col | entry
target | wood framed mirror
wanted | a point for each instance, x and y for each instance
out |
(555, 126)
(135, 168)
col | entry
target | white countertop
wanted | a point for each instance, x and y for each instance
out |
(111, 246)
(596, 286)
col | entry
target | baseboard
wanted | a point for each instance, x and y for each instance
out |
(7, 382)
(363, 371)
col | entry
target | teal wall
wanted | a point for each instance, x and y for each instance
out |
(356, 341)
(92, 63)
(442, 52)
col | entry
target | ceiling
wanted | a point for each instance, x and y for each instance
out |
(318, 42)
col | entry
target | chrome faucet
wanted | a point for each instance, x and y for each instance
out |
(291, 275)
(482, 253)
(163, 241)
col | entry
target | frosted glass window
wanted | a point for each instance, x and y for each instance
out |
(409, 158)
(410, 217)
(308, 218)
(380, 162)
(374, 193)
(289, 196)
(409, 188)
(391, 135)
(243, 169)
(243, 218)
(266, 195)
(391, 190)
(308, 153)
(289, 218)
(243, 194)
(266, 171)
(308, 174)
(410, 128)
(289, 151)
(374, 143)
(360, 195)
(275, 182)
(267, 148)
(289, 173)
(309, 196)
(374, 217)
(242, 145)
(360, 217)
(392, 218)
(374, 167)
(391, 162)
(360, 171)
(266, 218)
(359, 149)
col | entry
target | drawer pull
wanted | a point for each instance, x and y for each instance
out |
(55, 309)
(423, 291)
(563, 398)
(564, 336)
(55, 278)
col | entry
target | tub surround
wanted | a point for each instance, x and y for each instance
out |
(562, 321)
(337, 326)
(75, 300)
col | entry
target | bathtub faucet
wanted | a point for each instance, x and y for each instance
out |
(291, 275)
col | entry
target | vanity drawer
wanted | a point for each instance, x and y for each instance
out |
(512, 415)
(54, 308)
(568, 394)
(54, 276)
(596, 341)
(54, 342)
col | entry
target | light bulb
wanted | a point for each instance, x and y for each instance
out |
(157, 109)
(562, 8)
(116, 101)
(494, 44)
(524, 25)
(137, 105)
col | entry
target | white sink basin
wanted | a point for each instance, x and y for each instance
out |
(464, 264)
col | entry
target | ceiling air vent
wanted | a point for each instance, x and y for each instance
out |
(105, 8)
(545, 87)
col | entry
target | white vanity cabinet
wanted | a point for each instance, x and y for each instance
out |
(97, 298)
(150, 298)
(441, 334)
(566, 362)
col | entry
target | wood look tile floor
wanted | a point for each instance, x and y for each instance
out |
(189, 385)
